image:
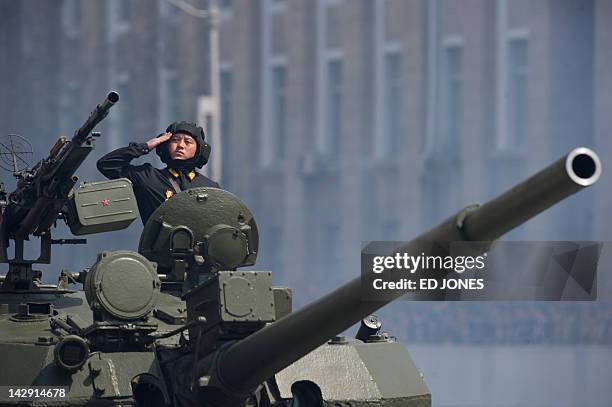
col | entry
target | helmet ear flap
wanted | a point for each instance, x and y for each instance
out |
(204, 153)
(204, 148)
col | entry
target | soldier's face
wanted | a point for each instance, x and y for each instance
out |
(182, 146)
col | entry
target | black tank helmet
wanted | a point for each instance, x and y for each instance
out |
(202, 154)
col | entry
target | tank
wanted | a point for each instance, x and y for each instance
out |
(179, 324)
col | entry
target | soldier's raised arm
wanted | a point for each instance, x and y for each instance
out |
(117, 163)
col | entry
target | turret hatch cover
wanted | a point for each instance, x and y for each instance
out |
(126, 285)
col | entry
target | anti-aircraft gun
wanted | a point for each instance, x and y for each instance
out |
(177, 323)
(41, 194)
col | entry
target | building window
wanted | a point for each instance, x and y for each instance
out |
(279, 111)
(330, 250)
(444, 173)
(391, 230)
(440, 191)
(274, 254)
(517, 92)
(118, 17)
(334, 108)
(207, 116)
(123, 114)
(330, 74)
(126, 105)
(168, 101)
(209, 125)
(225, 103)
(278, 37)
(225, 5)
(392, 103)
(274, 83)
(332, 26)
(168, 12)
(209, 129)
(225, 9)
(70, 107)
(172, 109)
(122, 13)
(387, 84)
(511, 79)
(450, 131)
(71, 16)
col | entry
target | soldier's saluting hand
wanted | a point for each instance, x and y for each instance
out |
(183, 148)
(162, 138)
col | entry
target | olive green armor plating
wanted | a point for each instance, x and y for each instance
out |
(178, 324)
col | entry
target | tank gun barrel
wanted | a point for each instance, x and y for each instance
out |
(259, 356)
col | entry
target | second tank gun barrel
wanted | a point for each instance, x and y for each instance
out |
(259, 356)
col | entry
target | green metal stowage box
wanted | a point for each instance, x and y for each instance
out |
(101, 207)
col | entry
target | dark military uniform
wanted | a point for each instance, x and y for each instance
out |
(152, 186)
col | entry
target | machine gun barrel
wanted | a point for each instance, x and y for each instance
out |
(72, 155)
(96, 117)
(259, 356)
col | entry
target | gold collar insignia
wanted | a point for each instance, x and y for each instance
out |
(190, 175)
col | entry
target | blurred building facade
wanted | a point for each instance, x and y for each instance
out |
(365, 120)
(340, 121)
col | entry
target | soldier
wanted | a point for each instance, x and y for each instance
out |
(182, 148)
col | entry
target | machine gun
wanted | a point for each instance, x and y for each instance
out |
(37, 202)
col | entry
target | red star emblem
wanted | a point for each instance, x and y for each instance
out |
(105, 202)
